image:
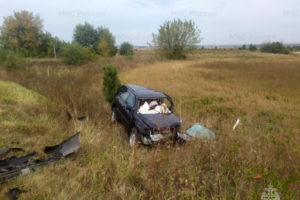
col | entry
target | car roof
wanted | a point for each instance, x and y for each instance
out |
(143, 92)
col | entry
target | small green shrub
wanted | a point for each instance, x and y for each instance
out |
(274, 47)
(12, 60)
(111, 82)
(75, 54)
(126, 49)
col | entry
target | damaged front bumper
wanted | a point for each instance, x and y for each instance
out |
(153, 139)
(156, 138)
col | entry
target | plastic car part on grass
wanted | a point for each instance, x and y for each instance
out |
(4, 151)
(7, 150)
(236, 123)
(14, 193)
(201, 132)
(81, 118)
(65, 148)
(184, 137)
(15, 166)
(15, 162)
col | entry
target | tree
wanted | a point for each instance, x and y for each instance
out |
(45, 41)
(252, 47)
(21, 31)
(111, 82)
(1, 42)
(244, 47)
(126, 49)
(103, 47)
(106, 46)
(86, 35)
(100, 39)
(47, 44)
(175, 38)
(55, 47)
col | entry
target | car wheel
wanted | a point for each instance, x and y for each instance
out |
(113, 115)
(133, 137)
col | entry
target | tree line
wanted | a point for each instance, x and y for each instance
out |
(22, 35)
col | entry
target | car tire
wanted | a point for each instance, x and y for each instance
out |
(133, 137)
(113, 115)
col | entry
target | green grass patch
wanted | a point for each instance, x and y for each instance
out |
(270, 117)
(23, 112)
(12, 93)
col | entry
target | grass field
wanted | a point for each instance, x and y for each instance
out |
(214, 88)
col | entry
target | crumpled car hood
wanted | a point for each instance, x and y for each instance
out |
(160, 121)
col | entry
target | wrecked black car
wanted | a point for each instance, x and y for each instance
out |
(146, 113)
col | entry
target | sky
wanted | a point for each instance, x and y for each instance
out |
(222, 22)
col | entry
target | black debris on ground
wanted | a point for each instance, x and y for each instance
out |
(14, 166)
(14, 193)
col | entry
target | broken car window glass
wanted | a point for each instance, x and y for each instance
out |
(124, 95)
(130, 100)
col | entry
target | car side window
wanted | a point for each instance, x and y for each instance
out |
(130, 100)
(124, 95)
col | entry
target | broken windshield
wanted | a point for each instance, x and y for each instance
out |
(154, 106)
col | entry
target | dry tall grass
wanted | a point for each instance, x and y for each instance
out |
(213, 88)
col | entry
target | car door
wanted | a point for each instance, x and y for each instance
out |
(130, 108)
(121, 105)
